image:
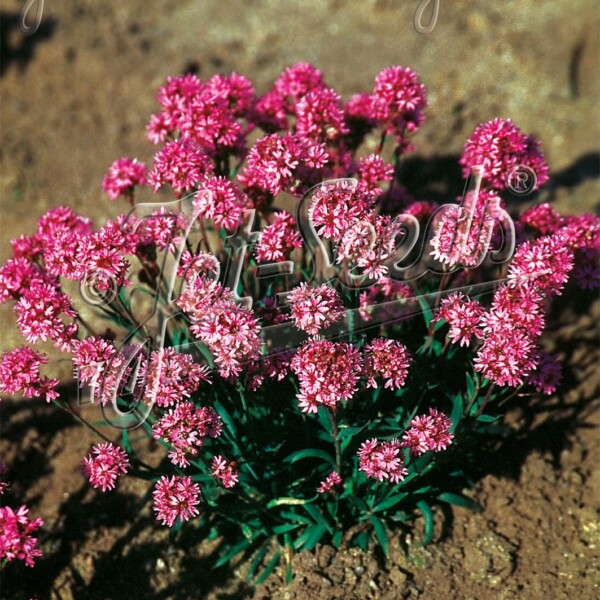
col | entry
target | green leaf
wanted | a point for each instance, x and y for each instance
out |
(256, 560)
(428, 517)
(126, 443)
(318, 517)
(233, 550)
(309, 538)
(487, 418)
(389, 502)
(381, 534)
(279, 529)
(309, 453)
(459, 500)
(269, 568)
(226, 418)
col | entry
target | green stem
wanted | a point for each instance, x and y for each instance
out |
(335, 432)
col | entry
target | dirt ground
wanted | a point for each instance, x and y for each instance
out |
(77, 93)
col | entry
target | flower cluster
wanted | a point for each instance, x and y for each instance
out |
(225, 471)
(428, 432)
(104, 465)
(176, 497)
(327, 372)
(184, 428)
(20, 372)
(315, 308)
(16, 535)
(382, 460)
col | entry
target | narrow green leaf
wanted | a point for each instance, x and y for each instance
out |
(233, 551)
(389, 502)
(459, 500)
(256, 560)
(269, 568)
(428, 517)
(309, 453)
(317, 515)
(381, 534)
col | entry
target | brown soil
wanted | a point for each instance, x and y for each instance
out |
(77, 94)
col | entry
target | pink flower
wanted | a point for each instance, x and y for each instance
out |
(327, 372)
(373, 171)
(500, 146)
(336, 207)
(235, 89)
(315, 308)
(17, 275)
(463, 233)
(388, 359)
(225, 471)
(100, 258)
(162, 228)
(220, 200)
(26, 246)
(104, 465)
(330, 483)
(62, 218)
(463, 315)
(545, 263)
(320, 116)
(184, 428)
(210, 121)
(428, 432)
(273, 162)
(170, 376)
(360, 118)
(270, 113)
(515, 307)
(278, 239)
(16, 539)
(175, 96)
(546, 375)
(180, 163)
(175, 497)
(122, 177)
(506, 357)
(297, 81)
(399, 101)
(39, 315)
(382, 460)
(20, 371)
(542, 217)
(102, 366)
(197, 265)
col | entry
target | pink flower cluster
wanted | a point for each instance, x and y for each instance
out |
(382, 460)
(500, 147)
(388, 359)
(170, 376)
(122, 177)
(16, 535)
(104, 465)
(184, 428)
(330, 483)
(231, 331)
(428, 432)
(315, 308)
(328, 373)
(278, 239)
(463, 315)
(20, 372)
(99, 364)
(463, 233)
(225, 471)
(176, 497)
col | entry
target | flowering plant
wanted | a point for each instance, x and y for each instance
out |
(319, 353)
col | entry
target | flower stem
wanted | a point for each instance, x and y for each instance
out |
(335, 432)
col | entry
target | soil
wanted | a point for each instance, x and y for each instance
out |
(77, 93)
